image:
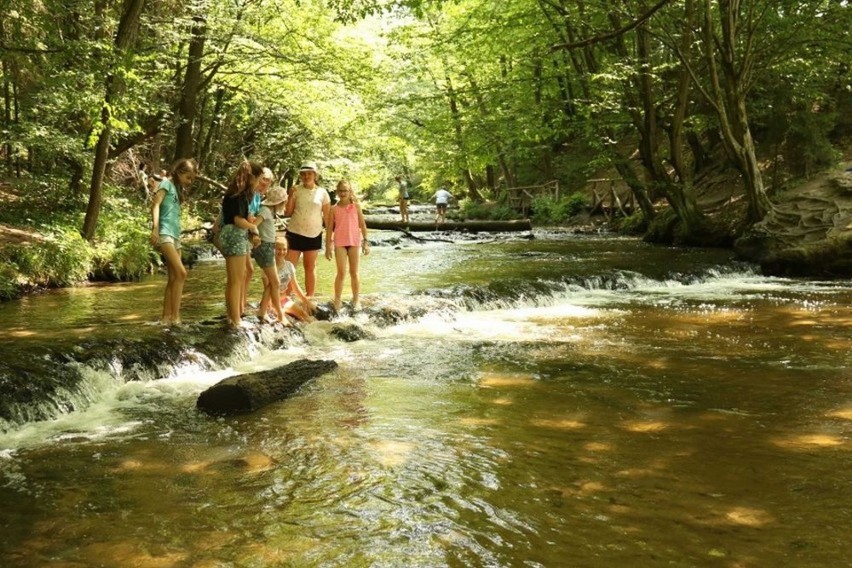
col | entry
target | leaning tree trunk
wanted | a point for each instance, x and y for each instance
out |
(189, 95)
(123, 40)
(728, 98)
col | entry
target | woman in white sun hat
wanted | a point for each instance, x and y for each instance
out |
(307, 206)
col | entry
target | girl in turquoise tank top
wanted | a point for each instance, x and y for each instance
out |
(165, 233)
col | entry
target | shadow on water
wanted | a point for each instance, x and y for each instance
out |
(588, 402)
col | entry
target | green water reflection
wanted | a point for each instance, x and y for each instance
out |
(706, 426)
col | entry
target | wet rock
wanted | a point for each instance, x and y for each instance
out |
(41, 384)
(350, 332)
(324, 312)
(249, 392)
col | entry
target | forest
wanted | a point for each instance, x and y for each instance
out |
(666, 96)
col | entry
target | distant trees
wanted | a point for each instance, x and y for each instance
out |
(490, 95)
(659, 91)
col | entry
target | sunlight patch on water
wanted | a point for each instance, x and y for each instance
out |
(392, 453)
(749, 517)
(844, 413)
(493, 380)
(645, 426)
(809, 441)
(474, 421)
(558, 423)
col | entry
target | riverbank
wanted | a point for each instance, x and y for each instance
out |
(808, 234)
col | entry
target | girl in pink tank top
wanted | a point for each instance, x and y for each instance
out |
(346, 234)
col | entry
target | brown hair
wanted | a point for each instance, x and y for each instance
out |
(181, 166)
(243, 177)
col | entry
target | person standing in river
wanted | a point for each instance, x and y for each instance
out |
(263, 184)
(403, 198)
(236, 234)
(307, 205)
(165, 234)
(264, 253)
(346, 235)
(442, 199)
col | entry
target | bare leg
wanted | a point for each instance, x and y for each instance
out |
(246, 283)
(341, 259)
(235, 267)
(354, 254)
(296, 310)
(265, 298)
(310, 264)
(274, 291)
(174, 287)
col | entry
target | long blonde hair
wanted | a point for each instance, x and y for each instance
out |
(352, 196)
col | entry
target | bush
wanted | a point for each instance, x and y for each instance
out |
(130, 258)
(487, 211)
(64, 258)
(633, 225)
(9, 281)
(549, 211)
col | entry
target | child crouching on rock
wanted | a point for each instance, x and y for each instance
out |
(302, 309)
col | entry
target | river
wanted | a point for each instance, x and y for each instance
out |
(562, 401)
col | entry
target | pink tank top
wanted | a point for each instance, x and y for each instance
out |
(347, 232)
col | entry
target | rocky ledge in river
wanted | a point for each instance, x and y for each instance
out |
(809, 232)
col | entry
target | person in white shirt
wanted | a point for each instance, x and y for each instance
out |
(442, 199)
(307, 206)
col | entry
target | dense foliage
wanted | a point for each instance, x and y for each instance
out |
(487, 96)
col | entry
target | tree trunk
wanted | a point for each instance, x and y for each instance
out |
(189, 93)
(681, 194)
(7, 113)
(123, 39)
(247, 393)
(625, 170)
(461, 226)
(212, 128)
(728, 98)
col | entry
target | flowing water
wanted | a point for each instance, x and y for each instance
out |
(563, 401)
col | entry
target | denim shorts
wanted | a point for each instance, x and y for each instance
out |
(264, 254)
(168, 240)
(233, 241)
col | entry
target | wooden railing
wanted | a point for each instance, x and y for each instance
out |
(608, 201)
(521, 198)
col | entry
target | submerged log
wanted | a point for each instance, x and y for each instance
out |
(249, 392)
(461, 226)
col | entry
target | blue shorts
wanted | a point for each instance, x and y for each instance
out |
(264, 254)
(233, 241)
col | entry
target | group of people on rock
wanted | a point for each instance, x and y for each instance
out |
(246, 230)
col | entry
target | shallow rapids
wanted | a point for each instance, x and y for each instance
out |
(562, 401)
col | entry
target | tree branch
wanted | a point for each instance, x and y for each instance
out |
(613, 34)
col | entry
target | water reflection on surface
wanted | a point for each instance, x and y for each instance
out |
(661, 424)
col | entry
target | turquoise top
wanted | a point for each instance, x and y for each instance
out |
(169, 210)
(254, 204)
